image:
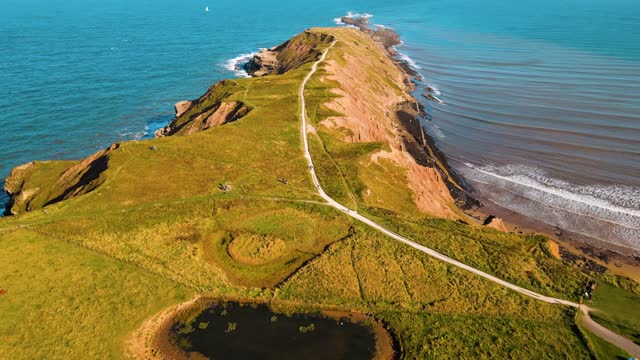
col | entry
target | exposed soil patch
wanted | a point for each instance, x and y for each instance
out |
(151, 339)
(554, 249)
(373, 111)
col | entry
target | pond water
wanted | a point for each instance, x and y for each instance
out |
(241, 331)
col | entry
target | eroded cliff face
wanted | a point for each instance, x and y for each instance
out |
(371, 104)
(374, 105)
(301, 49)
(38, 184)
(214, 108)
(218, 114)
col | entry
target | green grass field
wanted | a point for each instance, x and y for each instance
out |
(438, 311)
(599, 348)
(66, 302)
(84, 272)
(617, 309)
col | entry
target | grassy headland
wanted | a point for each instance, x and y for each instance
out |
(227, 209)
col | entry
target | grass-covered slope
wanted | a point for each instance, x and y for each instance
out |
(66, 302)
(229, 210)
(437, 311)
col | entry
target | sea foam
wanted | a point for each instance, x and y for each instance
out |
(407, 59)
(235, 65)
(351, 15)
(606, 212)
(433, 89)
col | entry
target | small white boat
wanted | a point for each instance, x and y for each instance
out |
(206, 9)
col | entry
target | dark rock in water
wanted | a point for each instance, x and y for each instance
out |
(406, 67)
(387, 37)
(357, 21)
(431, 97)
(263, 63)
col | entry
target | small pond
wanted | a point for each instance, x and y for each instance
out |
(241, 331)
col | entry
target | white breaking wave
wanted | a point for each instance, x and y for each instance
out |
(133, 135)
(433, 89)
(606, 212)
(588, 195)
(435, 130)
(235, 65)
(438, 100)
(139, 135)
(404, 57)
(351, 15)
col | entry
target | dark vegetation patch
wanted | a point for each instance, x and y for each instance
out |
(247, 331)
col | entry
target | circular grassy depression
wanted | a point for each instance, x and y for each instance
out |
(255, 249)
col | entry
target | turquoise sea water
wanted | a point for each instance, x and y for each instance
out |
(539, 109)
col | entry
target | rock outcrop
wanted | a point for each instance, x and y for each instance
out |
(385, 36)
(263, 63)
(219, 114)
(301, 49)
(495, 223)
(182, 107)
(214, 108)
(38, 184)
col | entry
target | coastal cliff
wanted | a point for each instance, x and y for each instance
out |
(211, 109)
(370, 100)
(221, 204)
(291, 54)
(38, 184)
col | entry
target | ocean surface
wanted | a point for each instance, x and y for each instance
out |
(539, 101)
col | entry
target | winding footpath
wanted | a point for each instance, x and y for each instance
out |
(608, 335)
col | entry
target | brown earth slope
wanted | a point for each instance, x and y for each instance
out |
(372, 95)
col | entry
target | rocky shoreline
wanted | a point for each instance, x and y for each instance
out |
(213, 110)
(416, 140)
(594, 254)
